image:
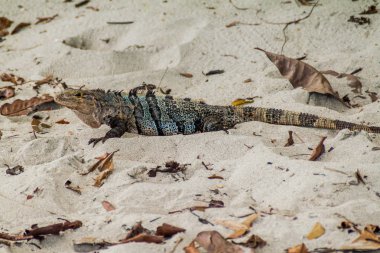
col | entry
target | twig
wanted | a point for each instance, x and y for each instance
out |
(207, 168)
(120, 23)
(176, 245)
(238, 8)
(289, 23)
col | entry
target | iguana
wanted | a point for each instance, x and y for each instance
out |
(143, 112)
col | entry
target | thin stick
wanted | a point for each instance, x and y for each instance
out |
(120, 22)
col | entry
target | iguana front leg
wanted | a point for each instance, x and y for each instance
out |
(118, 128)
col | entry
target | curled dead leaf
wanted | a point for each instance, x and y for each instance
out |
(5, 23)
(318, 150)
(301, 74)
(75, 188)
(254, 241)
(7, 92)
(214, 176)
(62, 121)
(317, 231)
(16, 80)
(239, 228)
(191, 248)
(24, 107)
(234, 23)
(213, 242)
(45, 19)
(143, 237)
(45, 80)
(20, 27)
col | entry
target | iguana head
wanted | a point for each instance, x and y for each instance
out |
(83, 101)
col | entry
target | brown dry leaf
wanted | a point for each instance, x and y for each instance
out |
(16, 80)
(191, 248)
(318, 150)
(301, 248)
(213, 242)
(102, 176)
(301, 74)
(372, 228)
(247, 80)
(5, 23)
(7, 92)
(254, 241)
(367, 235)
(19, 27)
(168, 230)
(290, 141)
(108, 206)
(47, 79)
(215, 177)
(361, 246)
(144, 237)
(234, 23)
(24, 107)
(354, 81)
(107, 163)
(241, 101)
(239, 228)
(317, 231)
(372, 95)
(62, 121)
(45, 19)
(187, 75)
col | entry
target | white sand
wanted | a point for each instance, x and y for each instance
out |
(185, 36)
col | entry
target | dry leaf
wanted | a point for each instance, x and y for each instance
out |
(240, 228)
(19, 27)
(191, 248)
(18, 169)
(168, 230)
(107, 163)
(317, 231)
(367, 235)
(108, 206)
(301, 248)
(62, 121)
(354, 81)
(361, 246)
(318, 150)
(290, 141)
(24, 107)
(213, 242)
(7, 92)
(254, 241)
(247, 80)
(301, 74)
(5, 23)
(16, 80)
(215, 177)
(143, 237)
(45, 80)
(234, 23)
(46, 19)
(241, 101)
(102, 176)
(188, 75)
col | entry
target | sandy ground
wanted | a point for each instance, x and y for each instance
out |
(190, 36)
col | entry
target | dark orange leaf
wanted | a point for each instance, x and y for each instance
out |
(143, 237)
(5, 23)
(215, 177)
(45, 80)
(191, 248)
(16, 80)
(168, 230)
(62, 121)
(301, 248)
(318, 150)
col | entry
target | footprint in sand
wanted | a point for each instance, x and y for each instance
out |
(117, 49)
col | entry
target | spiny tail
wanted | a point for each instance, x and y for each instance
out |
(283, 117)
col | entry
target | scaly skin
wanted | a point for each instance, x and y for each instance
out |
(143, 112)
